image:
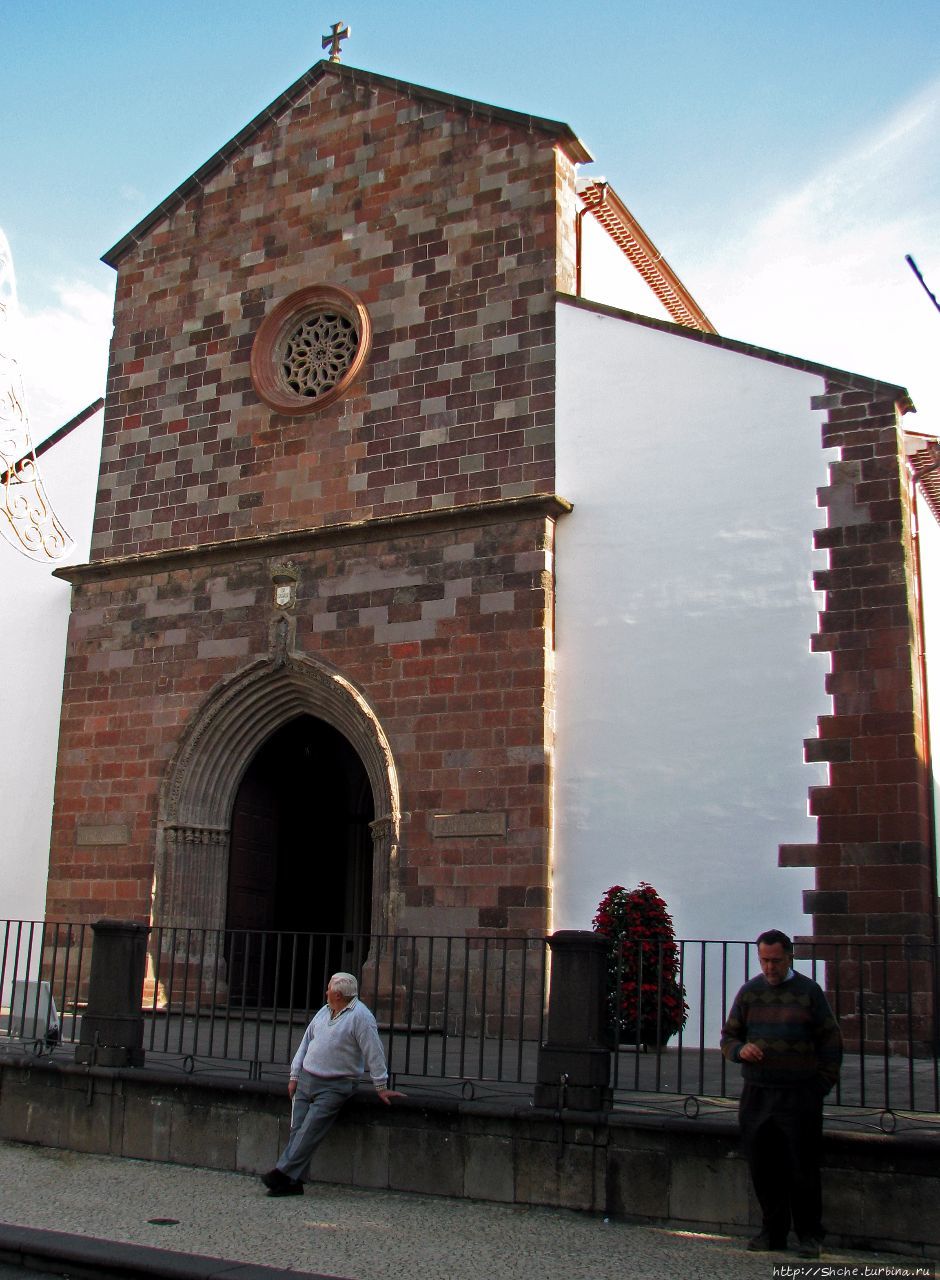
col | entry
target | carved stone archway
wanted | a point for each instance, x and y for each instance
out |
(191, 871)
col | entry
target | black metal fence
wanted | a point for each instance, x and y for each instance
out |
(468, 1014)
(886, 997)
(43, 976)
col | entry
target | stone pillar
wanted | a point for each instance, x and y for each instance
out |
(876, 880)
(384, 832)
(574, 1061)
(112, 1028)
(191, 886)
(192, 877)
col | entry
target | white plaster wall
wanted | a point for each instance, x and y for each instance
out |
(32, 652)
(608, 276)
(685, 684)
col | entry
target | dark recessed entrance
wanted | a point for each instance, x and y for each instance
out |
(300, 864)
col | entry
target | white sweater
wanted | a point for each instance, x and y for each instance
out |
(342, 1047)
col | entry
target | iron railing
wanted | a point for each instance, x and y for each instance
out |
(886, 997)
(43, 977)
(468, 1014)
(464, 1009)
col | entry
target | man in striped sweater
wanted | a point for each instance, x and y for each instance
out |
(783, 1033)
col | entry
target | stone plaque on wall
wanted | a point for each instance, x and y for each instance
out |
(110, 833)
(468, 824)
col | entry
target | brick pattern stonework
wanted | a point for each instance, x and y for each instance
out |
(874, 877)
(442, 223)
(449, 633)
(442, 218)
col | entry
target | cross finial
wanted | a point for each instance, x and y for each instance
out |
(337, 33)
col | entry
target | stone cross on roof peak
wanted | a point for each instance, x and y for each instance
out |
(338, 32)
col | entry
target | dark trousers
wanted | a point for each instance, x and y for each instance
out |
(781, 1135)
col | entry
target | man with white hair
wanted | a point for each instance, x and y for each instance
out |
(340, 1043)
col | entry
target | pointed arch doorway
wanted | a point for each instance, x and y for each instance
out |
(262, 719)
(300, 860)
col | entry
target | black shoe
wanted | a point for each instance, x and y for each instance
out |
(279, 1184)
(809, 1247)
(764, 1243)
(292, 1189)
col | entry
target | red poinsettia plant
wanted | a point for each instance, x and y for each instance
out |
(647, 1001)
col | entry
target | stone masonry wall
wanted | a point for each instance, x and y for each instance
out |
(443, 220)
(880, 1191)
(444, 224)
(874, 876)
(447, 633)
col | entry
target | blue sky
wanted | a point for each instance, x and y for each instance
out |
(785, 157)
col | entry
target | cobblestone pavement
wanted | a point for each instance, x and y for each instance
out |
(360, 1234)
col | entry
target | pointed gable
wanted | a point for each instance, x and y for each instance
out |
(367, 82)
(438, 217)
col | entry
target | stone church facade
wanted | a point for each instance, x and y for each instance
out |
(381, 565)
(311, 674)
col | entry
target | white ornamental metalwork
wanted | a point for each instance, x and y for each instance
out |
(27, 520)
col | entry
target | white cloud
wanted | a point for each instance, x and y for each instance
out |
(822, 273)
(63, 354)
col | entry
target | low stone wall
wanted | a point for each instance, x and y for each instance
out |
(881, 1191)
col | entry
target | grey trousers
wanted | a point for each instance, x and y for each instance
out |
(317, 1103)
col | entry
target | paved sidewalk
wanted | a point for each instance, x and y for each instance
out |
(351, 1233)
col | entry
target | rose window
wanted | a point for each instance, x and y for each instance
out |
(310, 349)
(318, 353)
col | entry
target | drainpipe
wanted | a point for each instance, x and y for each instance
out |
(579, 234)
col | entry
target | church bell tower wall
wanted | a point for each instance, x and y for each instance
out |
(441, 630)
(414, 512)
(443, 224)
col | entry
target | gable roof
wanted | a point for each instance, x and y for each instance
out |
(554, 129)
(924, 463)
(613, 215)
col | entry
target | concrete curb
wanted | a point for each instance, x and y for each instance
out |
(58, 1253)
